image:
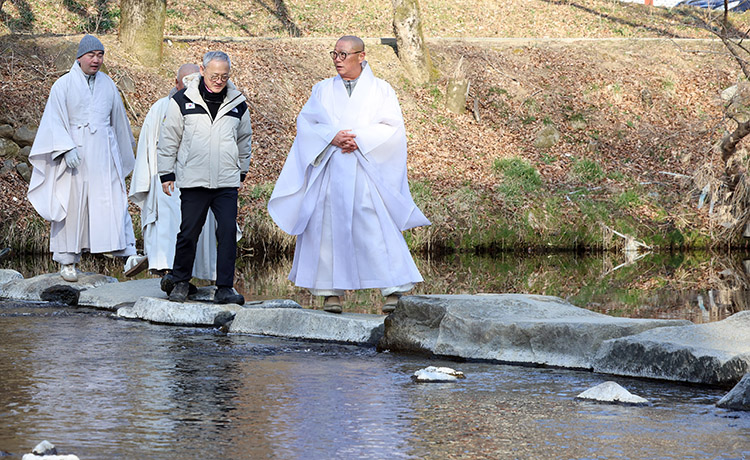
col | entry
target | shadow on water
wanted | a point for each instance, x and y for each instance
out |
(698, 286)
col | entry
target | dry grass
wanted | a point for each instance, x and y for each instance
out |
(331, 18)
(626, 111)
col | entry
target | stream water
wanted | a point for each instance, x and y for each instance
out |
(106, 388)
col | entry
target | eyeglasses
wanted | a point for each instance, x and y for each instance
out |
(343, 55)
(217, 78)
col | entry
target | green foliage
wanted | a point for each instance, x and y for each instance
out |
(587, 171)
(437, 96)
(518, 177)
(547, 158)
(421, 191)
(616, 175)
(496, 90)
(628, 199)
(260, 191)
(172, 13)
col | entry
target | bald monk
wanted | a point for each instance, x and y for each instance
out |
(343, 190)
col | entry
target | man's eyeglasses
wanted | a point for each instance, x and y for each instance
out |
(343, 55)
(217, 78)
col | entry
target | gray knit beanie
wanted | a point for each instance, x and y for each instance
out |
(89, 43)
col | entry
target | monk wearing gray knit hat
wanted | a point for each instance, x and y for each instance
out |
(81, 155)
(89, 43)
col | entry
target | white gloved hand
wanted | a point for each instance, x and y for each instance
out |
(72, 158)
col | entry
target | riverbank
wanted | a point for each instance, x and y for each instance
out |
(570, 140)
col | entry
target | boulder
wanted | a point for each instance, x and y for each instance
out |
(66, 55)
(8, 148)
(181, 314)
(6, 131)
(7, 166)
(25, 135)
(511, 328)
(32, 288)
(7, 275)
(24, 171)
(126, 84)
(309, 324)
(739, 397)
(60, 293)
(44, 448)
(715, 353)
(434, 374)
(23, 154)
(612, 392)
(547, 137)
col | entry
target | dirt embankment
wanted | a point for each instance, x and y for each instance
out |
(627, 118)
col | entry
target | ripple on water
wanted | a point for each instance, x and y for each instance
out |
(105, 388)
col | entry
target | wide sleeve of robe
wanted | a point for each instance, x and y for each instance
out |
(49, 188)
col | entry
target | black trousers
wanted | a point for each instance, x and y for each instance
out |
(194, 206)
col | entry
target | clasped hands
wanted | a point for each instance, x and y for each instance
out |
(344, 140)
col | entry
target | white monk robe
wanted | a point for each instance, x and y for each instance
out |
(348, 210)
(160, 213)
(88, 205)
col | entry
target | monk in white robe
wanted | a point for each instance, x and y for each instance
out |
(81, 155)
(160, 213)
(343, 189)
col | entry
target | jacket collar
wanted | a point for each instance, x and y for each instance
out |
(233, 98)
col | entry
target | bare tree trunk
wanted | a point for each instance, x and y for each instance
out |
(142, 28)
(414, 55)
(457, 90)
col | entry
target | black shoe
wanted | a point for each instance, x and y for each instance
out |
(180, 292)
(167, 284)
(227, 295)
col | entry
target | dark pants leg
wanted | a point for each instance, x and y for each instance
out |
(194, 204)
(224, 207)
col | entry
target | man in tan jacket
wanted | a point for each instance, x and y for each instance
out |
(204, 149)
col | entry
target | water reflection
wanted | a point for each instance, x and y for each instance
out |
(104, 388)
(697, 286)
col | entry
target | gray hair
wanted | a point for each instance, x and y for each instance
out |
(216, 56)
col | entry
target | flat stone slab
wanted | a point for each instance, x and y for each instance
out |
(114, 295)
(273, 303)
(309, 324)
(32, 288)
(714, 353)
(181, 314)
(7, 275)
(510, 328)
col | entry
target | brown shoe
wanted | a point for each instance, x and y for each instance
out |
(332, 304)
(390, 303)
